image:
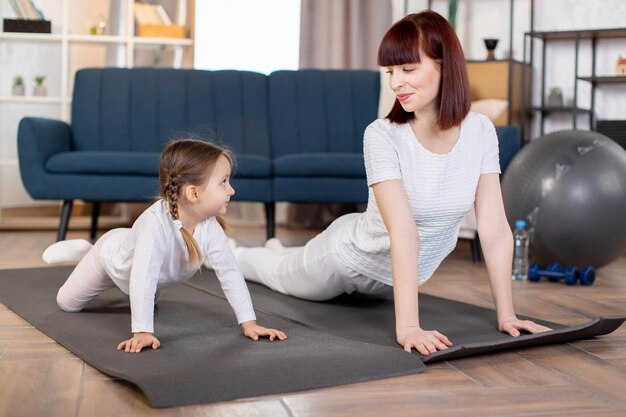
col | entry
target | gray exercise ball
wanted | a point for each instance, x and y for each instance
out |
(570, 187)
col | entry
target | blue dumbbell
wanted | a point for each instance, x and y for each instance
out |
(587, 275)
(554, 272)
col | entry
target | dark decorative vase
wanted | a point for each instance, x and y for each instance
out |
(490, 44)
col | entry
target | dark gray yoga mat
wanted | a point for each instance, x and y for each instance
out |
(472, 329)
(203, 356)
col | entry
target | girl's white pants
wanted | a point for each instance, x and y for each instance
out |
(84, 283)
(89, 278)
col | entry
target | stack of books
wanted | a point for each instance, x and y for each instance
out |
(29, 18)
(152, 21)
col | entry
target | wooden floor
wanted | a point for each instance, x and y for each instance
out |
(586, 378)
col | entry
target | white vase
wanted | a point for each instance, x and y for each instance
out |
(18, 90)
(40, 90)
(555, 100)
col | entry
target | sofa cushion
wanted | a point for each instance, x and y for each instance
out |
(252, 166)
(342, 165)
(321, 111)
(320, 190)
(101, 162)
(139, 163)
(142, 109)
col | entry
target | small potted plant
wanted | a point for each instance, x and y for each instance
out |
(98, 25)
(40, 89)
(18, 86)
(555, 97)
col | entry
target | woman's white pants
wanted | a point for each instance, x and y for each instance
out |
(313, 272)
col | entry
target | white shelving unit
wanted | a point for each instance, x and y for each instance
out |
(60, 54)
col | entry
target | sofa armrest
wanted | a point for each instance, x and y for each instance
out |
(37, 140)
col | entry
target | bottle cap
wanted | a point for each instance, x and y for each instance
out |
(520, 224)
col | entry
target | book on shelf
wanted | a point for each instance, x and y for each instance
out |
(29, 19)
(30, 10)
(39, 13)
(26, 9)
(153, 21)
(18, 8)
(140, 16)
(163, 15)
(151, 14)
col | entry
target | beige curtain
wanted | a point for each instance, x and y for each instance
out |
(342, 33)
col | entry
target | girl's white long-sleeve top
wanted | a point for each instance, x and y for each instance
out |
(152, 255)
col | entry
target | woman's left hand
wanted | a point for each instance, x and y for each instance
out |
(254, 331)
(512, 326)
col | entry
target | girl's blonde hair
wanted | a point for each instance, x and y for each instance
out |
(187, 162)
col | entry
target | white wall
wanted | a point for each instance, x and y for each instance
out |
(253, 35)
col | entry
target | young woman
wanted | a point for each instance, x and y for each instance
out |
(427, 162)
(165, 246)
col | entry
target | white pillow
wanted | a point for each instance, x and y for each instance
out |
(387, 97)
(491, 107)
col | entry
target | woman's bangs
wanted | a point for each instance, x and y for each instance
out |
(400, 45)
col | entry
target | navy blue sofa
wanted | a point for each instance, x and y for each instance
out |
(297, 135)
(121, 121)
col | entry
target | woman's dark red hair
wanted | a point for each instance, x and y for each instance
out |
(429, 33)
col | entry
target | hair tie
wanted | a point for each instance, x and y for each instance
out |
(178, 224)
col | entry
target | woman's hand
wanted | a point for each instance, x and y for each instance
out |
(139, 341)
(254, 331)
(512, 325)
(424, 341)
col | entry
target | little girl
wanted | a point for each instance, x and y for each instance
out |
(166, 245)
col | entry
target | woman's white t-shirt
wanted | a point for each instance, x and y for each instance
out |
(440, 189)
(152, 255)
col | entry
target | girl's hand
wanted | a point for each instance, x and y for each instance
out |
(512, 326)
(138, 342)
(253, 331)
(424, 341)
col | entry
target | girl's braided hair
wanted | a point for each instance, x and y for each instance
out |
(187, 162)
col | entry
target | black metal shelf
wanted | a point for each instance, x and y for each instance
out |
(605, 79)
(515, 61)
(560, 109)
(577, 36)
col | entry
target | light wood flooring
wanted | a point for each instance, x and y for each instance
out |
(585, 378)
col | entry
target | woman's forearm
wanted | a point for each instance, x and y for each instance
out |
(404, 238)
(404, 266)
(498, 251)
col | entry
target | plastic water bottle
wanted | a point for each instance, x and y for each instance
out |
(520, 253)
